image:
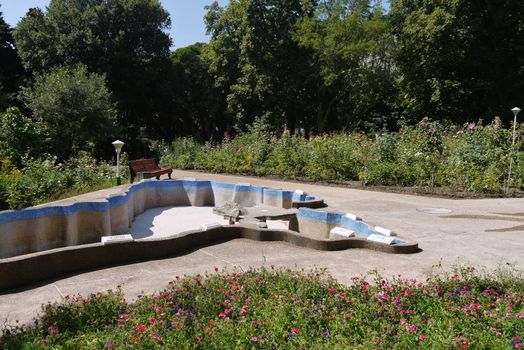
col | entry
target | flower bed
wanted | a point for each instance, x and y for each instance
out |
(285, 309)
(469, 158)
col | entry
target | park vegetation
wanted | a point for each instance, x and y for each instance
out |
(78, 74)
(469, 159)
(289, 309)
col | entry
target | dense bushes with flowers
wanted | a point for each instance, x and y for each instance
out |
(287, 309)
(470, 158)
(43, 179)
(30, 176)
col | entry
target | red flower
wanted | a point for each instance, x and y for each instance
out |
(134, 339)
(295, 330)
(139, 328)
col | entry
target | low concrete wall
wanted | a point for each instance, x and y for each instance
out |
(52, 226)
(318, 224)
(23, 270)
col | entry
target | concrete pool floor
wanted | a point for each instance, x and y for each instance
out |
(483, 232)
(169, 221)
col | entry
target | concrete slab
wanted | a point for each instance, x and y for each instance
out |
(482, 232)
(169, 221)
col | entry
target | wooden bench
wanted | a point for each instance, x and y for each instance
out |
(148, 168)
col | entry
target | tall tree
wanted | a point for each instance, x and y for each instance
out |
(75, 109)
(123, 39)
(353, 50)
(198, 103)
(460, 59)
(11, 70)
(260, 68)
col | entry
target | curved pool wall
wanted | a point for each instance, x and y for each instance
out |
(60, 239)
(23, 270)
(52, 226)
(318, 224)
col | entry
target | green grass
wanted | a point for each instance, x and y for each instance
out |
(287, 309)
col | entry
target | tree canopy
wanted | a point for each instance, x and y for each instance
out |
(459, 59)
(309, 66)
(74, 107)
(123, 39)
(11, 70)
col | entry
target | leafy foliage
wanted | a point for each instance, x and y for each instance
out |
(74, 107)
(11, 70)
(470, 158)
(200, 110)
(19, 136)
(40, 180)
(453, 61)
(352, 46)
(122, 39)
(292, 310)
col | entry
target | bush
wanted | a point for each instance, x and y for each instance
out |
(44, 179)
(19, 136)
(472, 158)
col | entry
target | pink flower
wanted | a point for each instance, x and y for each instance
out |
(421, 337)
(410, 328)
(295, 330)
(52, 330)
(225, 313)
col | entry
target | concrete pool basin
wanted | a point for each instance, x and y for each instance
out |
(51, 240)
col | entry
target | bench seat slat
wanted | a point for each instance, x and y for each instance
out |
(148, 167)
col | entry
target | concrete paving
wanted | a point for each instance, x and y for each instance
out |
(488, 233)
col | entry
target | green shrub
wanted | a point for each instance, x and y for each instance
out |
(181, 153)
(19, 136)
(472, 158)
(287, 156)
(43, 180)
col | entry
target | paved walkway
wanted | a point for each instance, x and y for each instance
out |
(482, 232)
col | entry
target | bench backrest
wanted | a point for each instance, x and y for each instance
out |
(143, 165)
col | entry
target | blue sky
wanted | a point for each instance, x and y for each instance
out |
(186, 16)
